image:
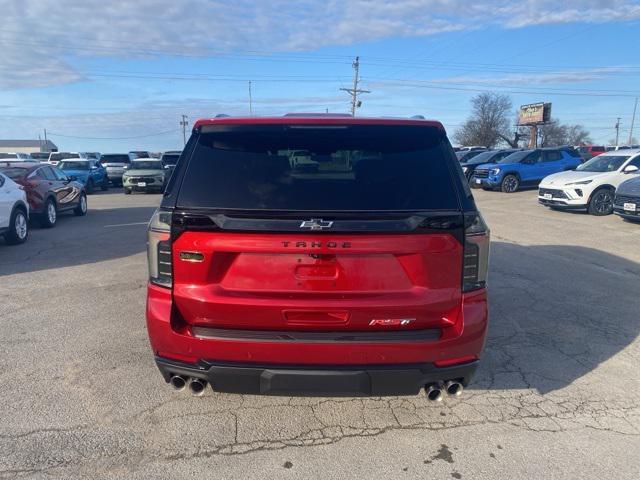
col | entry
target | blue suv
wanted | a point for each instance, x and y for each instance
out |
(88, 171)
(524, 169)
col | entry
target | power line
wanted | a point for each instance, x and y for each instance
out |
(157, 134)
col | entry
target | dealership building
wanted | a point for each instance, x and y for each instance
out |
(27, 146)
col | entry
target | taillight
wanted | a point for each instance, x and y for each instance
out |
(476, 253)
(159, 249)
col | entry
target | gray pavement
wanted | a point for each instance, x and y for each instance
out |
(557, 395)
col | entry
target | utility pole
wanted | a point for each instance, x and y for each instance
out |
(250, 100)
(617, 130)
(46, 144)
(183, 124)
(633, 121)
(355, 103)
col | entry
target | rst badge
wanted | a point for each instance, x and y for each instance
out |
(391, 322)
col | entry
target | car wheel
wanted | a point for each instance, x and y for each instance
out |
(510, 184)
(89, 186)
(49, 217)
(105, 184)
(81, 209)
(601, 202)
(18, 228)
(127, 191)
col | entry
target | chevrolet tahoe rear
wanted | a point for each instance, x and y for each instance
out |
(358, 270)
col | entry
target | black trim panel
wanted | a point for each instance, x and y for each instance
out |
(397, 336)
(318, 380)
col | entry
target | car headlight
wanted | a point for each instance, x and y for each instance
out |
(465, 169)
(494, 171)
(584, 182)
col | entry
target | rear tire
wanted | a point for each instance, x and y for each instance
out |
(81, 209)
(510, 184)
(18, 227)
(89, 186)
(127, 191)
(49, 217)
(601, 202)
(105, 184)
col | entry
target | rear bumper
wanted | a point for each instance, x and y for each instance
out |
(368, 380)
(563, 204)
(626, 214)
(401, 366)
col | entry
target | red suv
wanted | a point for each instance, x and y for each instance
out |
(318, 255)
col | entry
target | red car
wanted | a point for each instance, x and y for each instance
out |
(49, 190)
(318, 255)
(587, 152)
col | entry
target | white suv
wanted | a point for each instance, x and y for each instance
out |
(14, 212)
(592, 185)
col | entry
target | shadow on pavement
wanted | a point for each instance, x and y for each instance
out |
(556, 313)
(103, 234)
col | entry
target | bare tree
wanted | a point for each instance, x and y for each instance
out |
(554, 134)
(489, 123)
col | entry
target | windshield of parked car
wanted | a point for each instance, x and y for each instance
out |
(170, 159)
(484, 157)
(74, 165)
(139, 154)
(115, 158)
(516, 157)
(14, 173)
(146, 165)
(56, 157)
(348, 168)
(603, 163)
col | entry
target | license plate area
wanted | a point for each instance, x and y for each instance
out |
(629, 207)
(547, 196)
(142, 184)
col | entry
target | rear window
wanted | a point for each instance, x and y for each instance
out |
(56, 157)
(14, 173)
(320, 168)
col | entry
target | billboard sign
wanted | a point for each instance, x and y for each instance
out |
(534, 114)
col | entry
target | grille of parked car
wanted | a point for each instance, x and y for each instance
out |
(554, 193)
(481, 173)
(142, 179)
(620, 200)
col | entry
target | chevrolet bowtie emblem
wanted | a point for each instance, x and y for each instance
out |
(316, 224)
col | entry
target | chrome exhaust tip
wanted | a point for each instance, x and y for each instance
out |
(178, 382)
(453, 388)
(197, 387)
(433, 392)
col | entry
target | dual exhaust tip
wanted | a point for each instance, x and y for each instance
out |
(196, 386)
(435, 391)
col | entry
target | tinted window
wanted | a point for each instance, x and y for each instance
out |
(47, 173)
(115, 158)
(603, 163)
(60, 175)
(552, 156)
(74, 165)
(515, 157)
(56, 157)
(146, 165)
(635, 162)
(344, 168)
(170, 159)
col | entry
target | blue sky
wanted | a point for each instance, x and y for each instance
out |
(116, 76)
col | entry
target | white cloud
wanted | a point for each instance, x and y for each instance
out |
(39, 38)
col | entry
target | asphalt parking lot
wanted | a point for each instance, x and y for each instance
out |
(557, 395)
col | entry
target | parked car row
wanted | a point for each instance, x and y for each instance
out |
(607, 183)
(33, 190)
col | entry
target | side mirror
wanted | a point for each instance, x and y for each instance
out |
(630, 169)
